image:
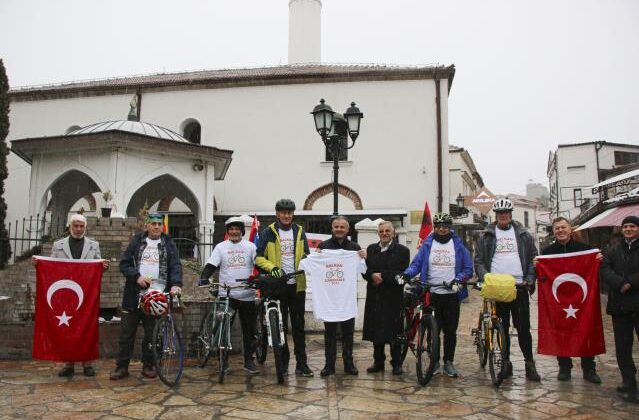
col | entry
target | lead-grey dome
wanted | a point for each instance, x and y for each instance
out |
(136, 127)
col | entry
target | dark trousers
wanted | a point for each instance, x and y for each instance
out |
(248, 318)
(520, 310)
(380, 357)
(624, 327)
(330, 342)
(128, 329)
(447, 317)
(587, 363)
(293, 305)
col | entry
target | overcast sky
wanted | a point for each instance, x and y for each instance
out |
(531, 74)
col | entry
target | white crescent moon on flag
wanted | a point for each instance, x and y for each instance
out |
(569, 278)
(65, 284)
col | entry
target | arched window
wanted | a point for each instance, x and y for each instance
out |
(192, 130)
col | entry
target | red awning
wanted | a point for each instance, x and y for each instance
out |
(611, 217)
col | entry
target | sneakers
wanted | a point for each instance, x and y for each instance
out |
(66, 372)
(250, 367)
(531, 371)
(149, 372)
(375, 368)
(88, 371)
(564, 374)
(590, 375)
(304, 370)
(449, 369)
(119, 373)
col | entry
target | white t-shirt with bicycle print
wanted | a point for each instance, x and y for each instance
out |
(235, 261)
(287, 252)
(441, 266)
(506, 259)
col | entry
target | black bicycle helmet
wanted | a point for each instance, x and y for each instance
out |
(503, 204)
(442, 219)
(285, 204)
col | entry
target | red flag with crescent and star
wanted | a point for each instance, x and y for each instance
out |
(569, 309)
(67, 309)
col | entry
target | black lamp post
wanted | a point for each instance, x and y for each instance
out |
(334, 129)
(461, 210)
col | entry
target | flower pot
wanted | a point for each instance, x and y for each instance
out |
(106, 211)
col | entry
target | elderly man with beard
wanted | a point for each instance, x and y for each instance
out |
(78, 247)
(385, 259)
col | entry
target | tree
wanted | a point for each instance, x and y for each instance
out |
(5, 246)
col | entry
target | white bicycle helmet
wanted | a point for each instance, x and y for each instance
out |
(503, 204)
(235, 221)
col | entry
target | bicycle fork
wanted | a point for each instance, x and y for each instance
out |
(274, 306)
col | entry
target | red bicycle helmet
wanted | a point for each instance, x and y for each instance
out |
(154, 303)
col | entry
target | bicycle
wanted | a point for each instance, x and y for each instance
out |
(418, 320)
(270, 325)
(168, 354)
(214, 337)
(490, 340)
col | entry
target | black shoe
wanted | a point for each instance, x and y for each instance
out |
(397, 370)
(590, 375)
(88, 371)
(626, 388)
(327, 371)
(350, 369)
(66, 372)
(119, 373)
(375, 368)
(250, 367)
(564, 374)
(531, 372)
(304, 370)
(509, 370)
(630, 396)
(149, 372)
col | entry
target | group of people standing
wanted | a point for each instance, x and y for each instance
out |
(151, 261)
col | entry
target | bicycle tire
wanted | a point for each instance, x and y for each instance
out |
(403, 336)
(167, 351)
(481, 342)
(427, 349)
(277, 345)
(497, 353)
(261, 338)
(203, 344)
(223, 349)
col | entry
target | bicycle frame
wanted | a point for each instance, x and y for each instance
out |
(416, 314)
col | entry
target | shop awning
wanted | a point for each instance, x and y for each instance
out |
(616, 181)
(611, 217)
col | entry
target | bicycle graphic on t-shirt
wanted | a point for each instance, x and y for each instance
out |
(236, 260)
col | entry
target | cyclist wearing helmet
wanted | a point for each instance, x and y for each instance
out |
(282, 246)
(151, 261)
(443, 259)
(234, 257)
(506, 247)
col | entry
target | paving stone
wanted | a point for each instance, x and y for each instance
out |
(195, 413)
(139, 410)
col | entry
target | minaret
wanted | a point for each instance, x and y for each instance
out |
(304, 31)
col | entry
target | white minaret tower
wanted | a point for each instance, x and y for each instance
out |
(304, 31)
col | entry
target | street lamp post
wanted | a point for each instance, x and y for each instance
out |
(462, 211)
(334, 129)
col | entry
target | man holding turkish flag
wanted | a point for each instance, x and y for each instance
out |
(569, 310)
(66, 309)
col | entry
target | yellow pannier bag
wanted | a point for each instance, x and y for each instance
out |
(499, 287)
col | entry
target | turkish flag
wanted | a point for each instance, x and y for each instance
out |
(66, 309)
(569, 309)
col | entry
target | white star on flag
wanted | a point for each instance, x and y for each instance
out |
(64, 319)
(571, 312)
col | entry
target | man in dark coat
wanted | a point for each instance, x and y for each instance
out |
(563, 244)
(620, 270)
(385, 259)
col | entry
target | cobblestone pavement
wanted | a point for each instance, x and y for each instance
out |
(30, 389)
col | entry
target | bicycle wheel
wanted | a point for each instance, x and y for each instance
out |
(223, 349)
(403, 337)
(497, 353)
(203, 343)
(481, 342)
(273, 317)
(167, 351)
(427, 349)
(261, 337)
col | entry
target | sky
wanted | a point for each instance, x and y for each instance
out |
(531, 74)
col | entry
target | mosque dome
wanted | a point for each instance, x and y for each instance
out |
(135, 127)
